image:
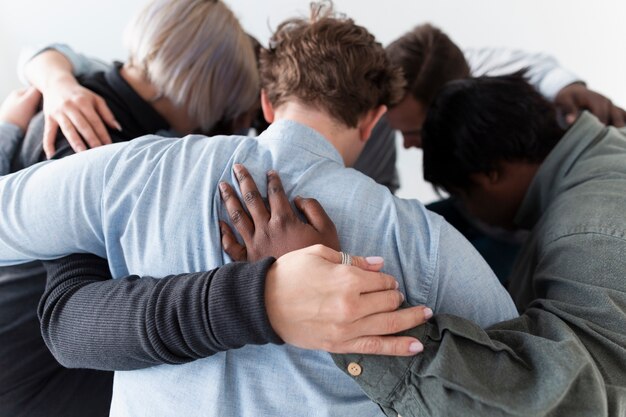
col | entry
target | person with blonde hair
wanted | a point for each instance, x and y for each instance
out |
(191, 68)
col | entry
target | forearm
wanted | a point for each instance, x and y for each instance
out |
(47, 68)
(89, 320)
(506, 370)
(10, 136)
(35, 200)
(79, 64)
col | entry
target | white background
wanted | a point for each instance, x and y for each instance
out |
(586, 37)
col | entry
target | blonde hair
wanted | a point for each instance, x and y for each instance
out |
(198, 56)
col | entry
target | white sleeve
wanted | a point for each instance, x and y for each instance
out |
(53, 208)
(544, 70)
(81, 64)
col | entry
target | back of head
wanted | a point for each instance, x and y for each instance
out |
(429, 59)
(476, 123)
(198, 56)
(330, 63)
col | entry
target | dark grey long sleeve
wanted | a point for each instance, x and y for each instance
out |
(89, 320)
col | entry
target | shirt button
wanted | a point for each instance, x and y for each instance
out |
(354, 369)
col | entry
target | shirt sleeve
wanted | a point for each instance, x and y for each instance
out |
(53, 208)
(564, 356)
(462, 281)
(89, 320)
(81, 64)
(10, 136)
(544, 71)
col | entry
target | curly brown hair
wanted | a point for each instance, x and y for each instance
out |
(330, 63)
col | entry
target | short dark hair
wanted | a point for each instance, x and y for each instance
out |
(476, 123)
(429, 59)
(329, 62)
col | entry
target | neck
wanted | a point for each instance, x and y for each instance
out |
(345, 140)
(176, 117)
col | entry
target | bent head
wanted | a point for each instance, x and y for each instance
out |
(196, 54)
(429, 59)
(330, 64)
(484, 139)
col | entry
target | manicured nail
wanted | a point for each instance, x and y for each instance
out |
(428, 313)
(271, 172)
(374, 260)
(223, 187)
(402, 295)
(397, 285)
(118, 126)
(416, 347)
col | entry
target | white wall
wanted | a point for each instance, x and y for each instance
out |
(587, 37)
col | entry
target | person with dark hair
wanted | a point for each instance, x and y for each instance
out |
(494, 142)
(429, 59)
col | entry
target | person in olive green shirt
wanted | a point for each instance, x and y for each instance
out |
(493, 143)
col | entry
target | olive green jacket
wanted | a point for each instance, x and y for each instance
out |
(566, 354)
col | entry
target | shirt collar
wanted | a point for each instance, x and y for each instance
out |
(545, 186)
(301, 136)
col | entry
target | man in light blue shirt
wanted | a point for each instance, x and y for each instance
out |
(152, 208)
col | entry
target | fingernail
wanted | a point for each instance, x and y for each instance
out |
(374, 260)
(118, 126)
(402, 295)
(416, 347)
(271, 172)
(397, 285)
(222, 186)
(428, 313)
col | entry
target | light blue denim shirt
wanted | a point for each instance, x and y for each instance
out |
(152, 207)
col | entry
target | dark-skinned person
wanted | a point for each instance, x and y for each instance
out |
(494, 142)
(152, 207)
(429, 59)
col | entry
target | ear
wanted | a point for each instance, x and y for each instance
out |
(367, 123)
(487, 180)
(268, 109)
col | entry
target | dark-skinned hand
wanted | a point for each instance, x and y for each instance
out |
(576, 97)
(272, 232)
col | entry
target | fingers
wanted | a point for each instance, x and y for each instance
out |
(383, 345)
(83, 126)
(370, 333)
(50, 130)
(618, 117)
(379, 302)
(251, 196)
(107, 115)
(365, 282)
(279, 204)
(390, 322)
(315, 214)
(230, 245)
(30, 95)
(238, 216)
(569, 109)
(370, 263)
(70, 133)
(600, 106)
